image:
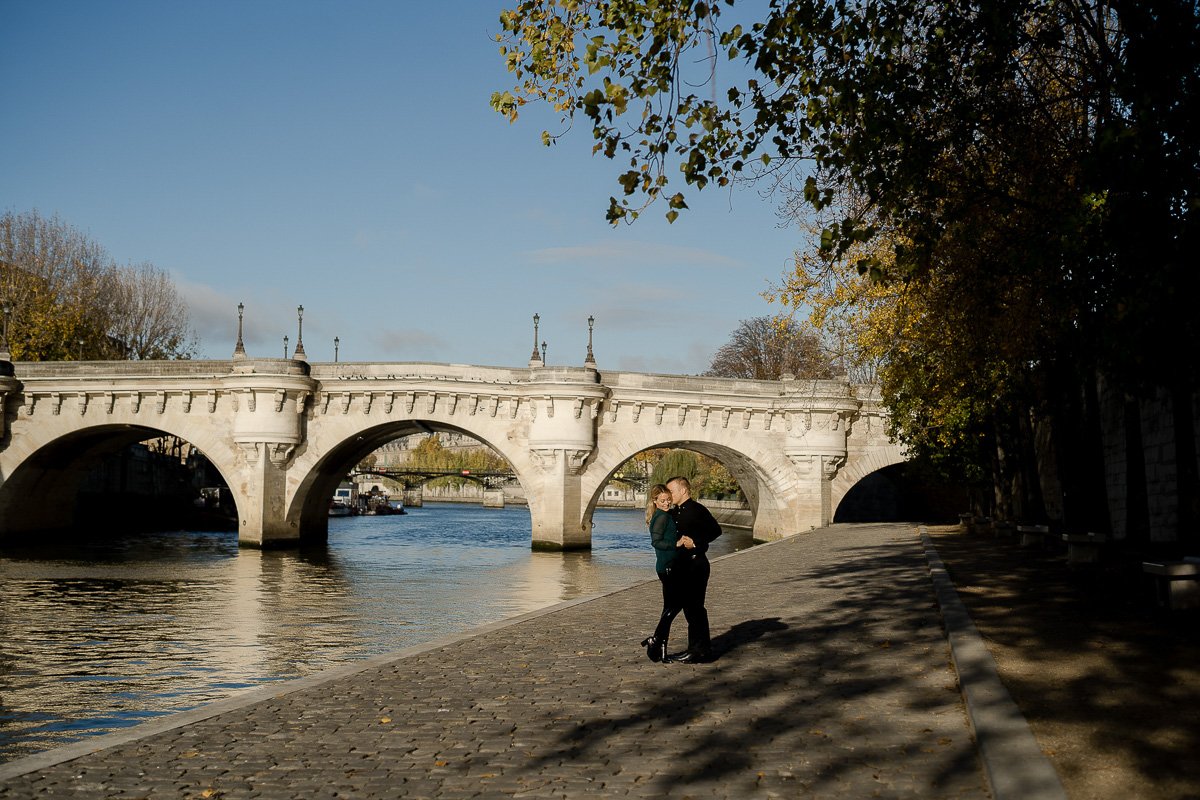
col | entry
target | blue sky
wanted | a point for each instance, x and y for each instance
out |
(344, 156)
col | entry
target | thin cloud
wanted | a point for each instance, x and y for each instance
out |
(406, 345)
(631, 254)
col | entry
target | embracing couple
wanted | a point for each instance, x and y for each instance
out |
(680, 530)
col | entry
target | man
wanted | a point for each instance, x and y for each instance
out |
(697, 529)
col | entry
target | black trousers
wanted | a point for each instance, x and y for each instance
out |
(695, 586)
(672, 591)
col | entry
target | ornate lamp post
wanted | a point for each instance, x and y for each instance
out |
(535, 360)
(6, 307)
(240, 350)
(336, 343)
(543, 353)
(6, 365)
(285, 345)
(299, 353)
(590, 361)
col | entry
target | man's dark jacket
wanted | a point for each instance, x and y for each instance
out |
(696, 521)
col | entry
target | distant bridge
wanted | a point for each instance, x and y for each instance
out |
(412, 478)
(283, 433)
(492, 479)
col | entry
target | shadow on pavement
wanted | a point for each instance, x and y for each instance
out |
(844, 689)
(1108, 682)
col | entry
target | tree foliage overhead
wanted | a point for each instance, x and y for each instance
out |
(1017, 179)
(70, 300)
(925, 109)
(766, 348)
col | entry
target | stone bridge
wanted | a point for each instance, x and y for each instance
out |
(283, 433)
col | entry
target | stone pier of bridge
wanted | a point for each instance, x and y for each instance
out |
(283, 433)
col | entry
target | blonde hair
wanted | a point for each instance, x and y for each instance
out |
(651, 496)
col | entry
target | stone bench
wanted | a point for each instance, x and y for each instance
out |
(1084, 548)
(1033, 535)
(1176, 583)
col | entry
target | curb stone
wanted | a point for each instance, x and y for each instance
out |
(1015, 765)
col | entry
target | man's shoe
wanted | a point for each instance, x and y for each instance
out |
(693, 657)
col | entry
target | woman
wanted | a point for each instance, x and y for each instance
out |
(668, 565)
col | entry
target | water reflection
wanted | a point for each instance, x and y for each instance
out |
(100, 635)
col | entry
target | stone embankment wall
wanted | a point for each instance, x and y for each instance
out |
(1154, 417)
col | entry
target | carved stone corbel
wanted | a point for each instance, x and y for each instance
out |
(725, 412)
(301, 401)
(368, 399)
(279, 452)
(160, 402)
(637, 411)
(613, 406)
(803, 462)
(746, 416)
(830, 466)
(345, 398)
(704, 417)
(549, 407)
(543, 458)
(431, 403)
(83, 403)
(682, 416)
(185, 400)
(212, 401)
(110, 402)
(410, 400)
(280, 399)
(250, 452)
(575, 459)
(578, 407)
(658, 413)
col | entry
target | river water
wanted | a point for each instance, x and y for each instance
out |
(99, 636)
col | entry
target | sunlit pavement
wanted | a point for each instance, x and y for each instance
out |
(832, 679)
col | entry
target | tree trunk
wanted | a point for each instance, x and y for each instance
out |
(1137, 505)
(1187, 482)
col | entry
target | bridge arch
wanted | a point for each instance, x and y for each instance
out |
(859, 467)
(321, 469)
(766, 480)
(39, 485)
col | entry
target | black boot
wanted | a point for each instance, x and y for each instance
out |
(655, 650)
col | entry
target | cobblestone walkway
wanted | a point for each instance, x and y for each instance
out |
(832, 681)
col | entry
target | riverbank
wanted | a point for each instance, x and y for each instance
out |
(814, 693)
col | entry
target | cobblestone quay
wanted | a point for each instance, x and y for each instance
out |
(832, 680)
